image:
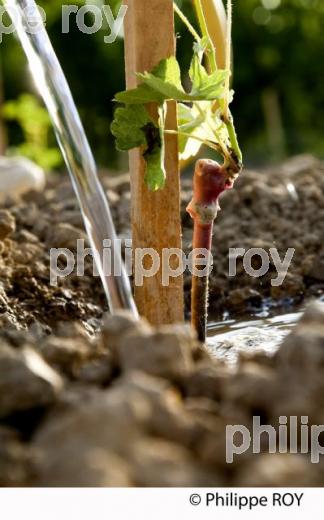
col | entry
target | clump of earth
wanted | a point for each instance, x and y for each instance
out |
(87, 399)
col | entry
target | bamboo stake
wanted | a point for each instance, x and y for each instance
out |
(149, 37)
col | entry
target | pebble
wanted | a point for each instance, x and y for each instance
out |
(15, 460)
(303, 350)
(19, 175)
(26, 381)
(64, 236)
(67, 354)
(278, 470)
(7, 224)
(165, 353)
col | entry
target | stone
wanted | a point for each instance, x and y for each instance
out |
(169, 419)
(210, 443)
(278, 470)
(26, 381)
(7, 224)
(158, 463)
(79, 465)
(64, 236)
(15, 460)
(292, 287)
(72, 217)
(96, 372)
(66, 354)
(25, 236)
(313, 315)
(239, 298)
(113, 197)
(165, 353)
(122, 416)
(202, 406)
(118, 326)
(303, 350)
(253, 388)
(95, 437)
(208, 381)
(19, 175)
(27, 215)
(27, 253)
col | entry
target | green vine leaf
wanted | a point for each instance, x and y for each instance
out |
(155, 154)
(198, 125)
(138, 96)
(155, 172)
(133, 127)
(165, 79)
(164, 83)
(129, 125)
(188, 124)
(206, 86)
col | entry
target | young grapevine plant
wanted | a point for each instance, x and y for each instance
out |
(203, 117)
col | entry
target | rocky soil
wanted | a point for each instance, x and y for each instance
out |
(134, 406)
(143, 407)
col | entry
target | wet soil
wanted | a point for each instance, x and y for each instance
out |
(134, 406)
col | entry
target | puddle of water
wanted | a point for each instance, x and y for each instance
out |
(227, 339)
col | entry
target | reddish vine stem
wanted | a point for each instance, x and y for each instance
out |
(210, 180)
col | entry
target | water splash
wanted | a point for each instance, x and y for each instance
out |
(52, 85)
(227, 339)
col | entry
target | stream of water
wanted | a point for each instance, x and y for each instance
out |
(52, 85)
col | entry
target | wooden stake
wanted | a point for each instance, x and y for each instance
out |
(149, 37)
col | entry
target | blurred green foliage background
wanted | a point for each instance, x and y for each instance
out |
(278, 82)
